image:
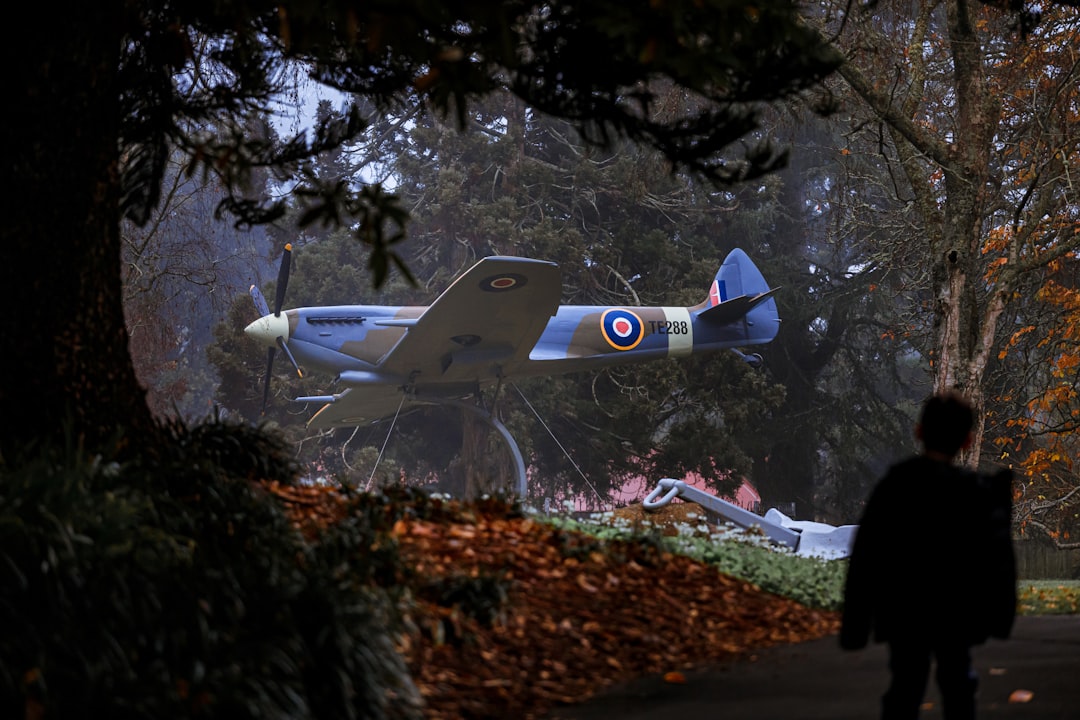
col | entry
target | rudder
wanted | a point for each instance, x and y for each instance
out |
(739, 291)
(736, 277)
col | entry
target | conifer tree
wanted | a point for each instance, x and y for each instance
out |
(106, 92)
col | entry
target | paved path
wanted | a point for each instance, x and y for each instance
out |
(817, 681)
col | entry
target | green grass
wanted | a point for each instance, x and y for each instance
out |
(745, 555)
(812, 582)
(1048, 597)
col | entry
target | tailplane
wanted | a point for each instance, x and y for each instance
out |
(739, 293)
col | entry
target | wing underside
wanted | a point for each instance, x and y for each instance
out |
(360, 406)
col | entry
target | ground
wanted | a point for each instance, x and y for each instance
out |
(516, 617)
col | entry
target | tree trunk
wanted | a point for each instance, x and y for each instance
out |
(66, 361)
(474, 455)
(961, 320)
(965, 317)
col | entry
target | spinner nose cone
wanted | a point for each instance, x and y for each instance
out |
(269, 328)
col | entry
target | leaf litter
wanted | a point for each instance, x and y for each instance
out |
(577, 616)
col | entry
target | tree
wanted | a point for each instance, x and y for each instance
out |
(106, 92)
(179, 272)
(624, 229)
(973, 120)
(849, 392)
(1036, 409)
(627, 231)
(974, 115)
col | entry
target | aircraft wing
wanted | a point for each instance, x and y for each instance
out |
(485, 322)
(359, 406)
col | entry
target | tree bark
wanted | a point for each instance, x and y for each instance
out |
(67, 370)
(963, 325)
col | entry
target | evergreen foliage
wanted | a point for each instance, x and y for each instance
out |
(844, 356)
(624, 229)
(812, 429)
(175, 587)
(110, 95)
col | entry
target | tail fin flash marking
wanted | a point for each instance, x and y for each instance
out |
(735, 308)
(718, 293)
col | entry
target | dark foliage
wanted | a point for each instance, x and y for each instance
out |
(729, 58)
(175, 587)
(480, 597)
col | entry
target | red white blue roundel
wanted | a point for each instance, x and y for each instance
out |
(503, 283)
(622, 329)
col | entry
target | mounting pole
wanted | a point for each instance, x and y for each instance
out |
(515, 451)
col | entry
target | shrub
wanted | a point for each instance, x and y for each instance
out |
(745, 555)
(173, 586)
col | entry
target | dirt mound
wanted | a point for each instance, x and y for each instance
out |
(669, 519)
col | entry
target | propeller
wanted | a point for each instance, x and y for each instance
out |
(266, 328)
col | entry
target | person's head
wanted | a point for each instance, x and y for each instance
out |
(945, 424)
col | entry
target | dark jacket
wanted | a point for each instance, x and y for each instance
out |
(932, 558)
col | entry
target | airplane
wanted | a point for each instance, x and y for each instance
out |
(498, 321)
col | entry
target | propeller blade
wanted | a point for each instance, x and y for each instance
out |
(282, 279)
(260, 301)
(261, 329)
(269, 371)
(289, 355)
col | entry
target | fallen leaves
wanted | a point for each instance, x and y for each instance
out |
(579, 616)
(579, 620)
(1021, 696)
(675, 678)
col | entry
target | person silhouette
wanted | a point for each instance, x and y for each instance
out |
(932, 571)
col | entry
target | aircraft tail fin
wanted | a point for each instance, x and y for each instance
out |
(739, 293)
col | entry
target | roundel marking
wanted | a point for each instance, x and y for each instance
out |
(503, 283)
(621, 328)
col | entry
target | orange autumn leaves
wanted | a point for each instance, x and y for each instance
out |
(578, 615)
(581, 616)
